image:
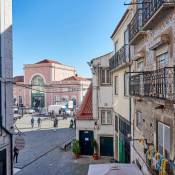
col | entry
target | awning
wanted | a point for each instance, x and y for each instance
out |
(114, 169)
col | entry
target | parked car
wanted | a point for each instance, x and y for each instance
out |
(30, 111)
(55, 109)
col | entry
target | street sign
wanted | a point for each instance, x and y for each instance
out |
(19, 142)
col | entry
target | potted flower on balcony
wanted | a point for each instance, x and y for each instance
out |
(76, 148)
(95, 147)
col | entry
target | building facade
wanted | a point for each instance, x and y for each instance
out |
(6, 91)
(151, 36)
(49, 83)
(121, 102)
(100, 125)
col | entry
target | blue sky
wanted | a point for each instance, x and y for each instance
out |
(69, 31)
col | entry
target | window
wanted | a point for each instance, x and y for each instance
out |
(116, 123)
(126, 44)
(116, 46)
(163, 139)
(37, 81)
(57, 99)
(139, 120)
(106, 117)
(116, 85)
(140, 65)
(162, 60)
(126, 85)
(124, 126)
(105, 76)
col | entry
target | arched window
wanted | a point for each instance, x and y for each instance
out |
(37, 80)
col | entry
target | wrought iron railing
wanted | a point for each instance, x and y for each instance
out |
(135, 24)
(157, 84)
(120, 57)
(150, 7)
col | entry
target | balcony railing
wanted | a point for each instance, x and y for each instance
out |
(135, 24)
(120, 57)
(156, 84)
(151, 6)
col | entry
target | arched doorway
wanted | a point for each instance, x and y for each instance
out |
(37, 93)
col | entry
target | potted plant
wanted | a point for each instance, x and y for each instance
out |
(76, 148)
(95, 147)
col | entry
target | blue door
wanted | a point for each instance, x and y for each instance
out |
(86, 138)
(106, 146)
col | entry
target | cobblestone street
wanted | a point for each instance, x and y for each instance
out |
(42, 154)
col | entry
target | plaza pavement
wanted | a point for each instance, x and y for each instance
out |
(43, 156)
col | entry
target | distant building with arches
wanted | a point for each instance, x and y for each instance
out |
(48, 82)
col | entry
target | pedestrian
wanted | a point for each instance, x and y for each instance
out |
(55, 123)
(32, 122)
(75, 123)
(71, 124)
(16, 153)
(39, 122)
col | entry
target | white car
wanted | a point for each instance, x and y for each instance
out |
(31, 111)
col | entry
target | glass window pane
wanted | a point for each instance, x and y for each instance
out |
(126, 84)
(109, 117)
(140, 66)
(162, 60)
(108, 76)
(103, 117)
(116, 85)
(160, 137)
(103, 76)
(167, 141)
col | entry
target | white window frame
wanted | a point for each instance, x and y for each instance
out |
(116, 85)
(139, 62)
(163, 137)
(159, 60)
(126, 83)
(106, 117)
(106, 82)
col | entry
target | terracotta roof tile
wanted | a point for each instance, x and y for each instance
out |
(85, 112)
(18, 79)
(48, 61)
(75, 78)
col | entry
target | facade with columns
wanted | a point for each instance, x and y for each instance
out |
(47, 83)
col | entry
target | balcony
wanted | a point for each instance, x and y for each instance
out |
(158, 84)
(120, 58)
(154, 10)
(135, 27)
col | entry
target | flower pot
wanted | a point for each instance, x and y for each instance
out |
(95, 156)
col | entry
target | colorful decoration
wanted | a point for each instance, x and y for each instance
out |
(159, 163)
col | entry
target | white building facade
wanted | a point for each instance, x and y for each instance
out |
(97, 122)
(6, 92)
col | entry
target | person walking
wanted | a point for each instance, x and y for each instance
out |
(39, 122)
(32, 122)
(55, 125)
(74, 123)
(71, 124)
(16, 153)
